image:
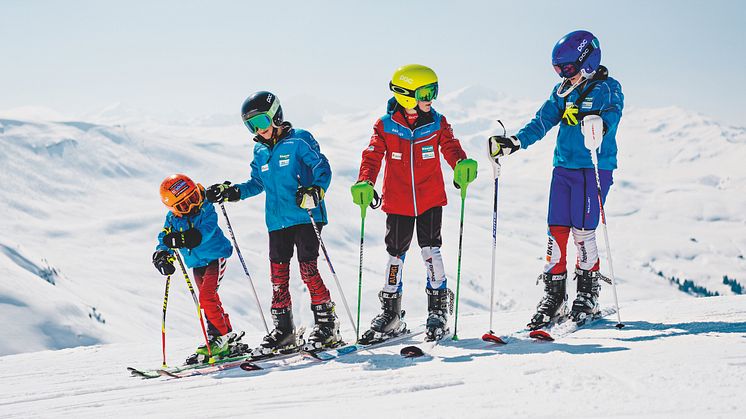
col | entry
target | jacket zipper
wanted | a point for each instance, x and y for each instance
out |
(411, 166)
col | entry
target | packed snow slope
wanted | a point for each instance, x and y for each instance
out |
(675, 358)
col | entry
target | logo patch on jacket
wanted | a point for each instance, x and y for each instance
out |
(395, 155)
(265, 167)
(284, 160)
(428, 152)
(587, 103)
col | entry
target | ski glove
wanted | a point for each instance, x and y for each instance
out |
(503, 146)
(309, 197)
(222, 192)
(363, 193)
(162, 261)
(464, 173)
(190, 239)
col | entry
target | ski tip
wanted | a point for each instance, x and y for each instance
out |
(541, 335)
(250, 366)
(489, 337)
(411, 352)
(619, 325)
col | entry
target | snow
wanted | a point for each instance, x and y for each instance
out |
(683, 358)
(81, 212)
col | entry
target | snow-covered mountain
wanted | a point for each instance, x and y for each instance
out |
(80, 213)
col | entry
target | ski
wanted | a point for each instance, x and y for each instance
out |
(329, 354)
(158, 372)
(567, 326)
(426, 347)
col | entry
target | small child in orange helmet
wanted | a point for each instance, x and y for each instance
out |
(192, 227)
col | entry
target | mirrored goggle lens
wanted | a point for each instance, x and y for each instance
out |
(427, 93)
(566, 70)
(257, 122)
(186, 205)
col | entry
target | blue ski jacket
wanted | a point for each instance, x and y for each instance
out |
(295, 160)
(214, 244)
(605, 98)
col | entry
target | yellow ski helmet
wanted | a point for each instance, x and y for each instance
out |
(412, 83)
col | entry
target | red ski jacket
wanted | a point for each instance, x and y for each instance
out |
(412, 179)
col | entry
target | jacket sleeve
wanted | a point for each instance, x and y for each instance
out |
(549, 115)
(450, 147)
(310, 154)
(373, 155)
(164, 231)
(612, 103)
(254, 185)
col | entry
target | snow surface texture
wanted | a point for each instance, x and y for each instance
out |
(81, 211)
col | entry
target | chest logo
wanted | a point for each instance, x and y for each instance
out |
(284, 160)
(265, 167)
(428, 152)
(395, 155)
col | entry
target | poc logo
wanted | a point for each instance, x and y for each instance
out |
(406, 79)
(582, 45)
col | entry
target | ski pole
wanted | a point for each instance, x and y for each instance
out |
(211, 360)
(163, 321)
(592, 128)
(363, 210)
(331, 268)
(460, 246)
(245, 269)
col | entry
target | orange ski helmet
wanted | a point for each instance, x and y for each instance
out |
(180, 194)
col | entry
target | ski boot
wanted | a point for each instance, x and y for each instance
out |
(552, 306)
(585, 305)
(439, 305)
(387, 324)
(325, 334)
(220, 346)
(283, 339)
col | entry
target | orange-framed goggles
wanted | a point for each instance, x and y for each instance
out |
(192, 200)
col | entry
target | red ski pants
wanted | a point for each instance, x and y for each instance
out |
(208, 280)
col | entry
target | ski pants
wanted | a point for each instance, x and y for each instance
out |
(208, 280)
(399, 232)
(573, 206)
(281, 245)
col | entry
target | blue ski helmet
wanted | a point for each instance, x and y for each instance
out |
(576, 51)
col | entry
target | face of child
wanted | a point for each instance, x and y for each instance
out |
(425, 105)
(265, 133)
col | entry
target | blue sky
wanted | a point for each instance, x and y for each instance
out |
(206, 57)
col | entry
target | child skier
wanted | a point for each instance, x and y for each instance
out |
(192, 227)
(586, 89)
(411, 137)
(290, 168)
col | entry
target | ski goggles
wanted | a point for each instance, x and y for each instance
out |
(194, 199)
(566, 70)
(424, 93)
(257, 122)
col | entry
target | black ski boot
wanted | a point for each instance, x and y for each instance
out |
(387, 324)
(439, 304)
(283, 338)
(552, 306)
(585, 305)
(325, 333)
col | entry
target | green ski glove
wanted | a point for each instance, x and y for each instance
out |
(362, 193)
(465, 172)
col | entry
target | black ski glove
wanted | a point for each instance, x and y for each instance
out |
(503, 146)
(222, 192)
(190, 239)
(162, 262)
(309, 197)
